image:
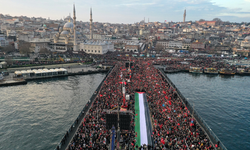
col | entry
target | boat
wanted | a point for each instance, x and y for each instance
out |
(243, 72)
(171, 71)
(40, 73)
(196, 70)
(210, 71)
(226, 71)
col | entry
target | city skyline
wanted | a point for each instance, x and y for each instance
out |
(131, 11)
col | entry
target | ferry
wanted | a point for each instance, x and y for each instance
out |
(38, 73)
(210, 71)
(226, 71)
(242, 71)
(196, 70)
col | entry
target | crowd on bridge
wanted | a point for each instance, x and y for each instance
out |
(173, 125)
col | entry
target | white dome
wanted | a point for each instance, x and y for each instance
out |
(64, 33)
(68, 25)
(247, 38)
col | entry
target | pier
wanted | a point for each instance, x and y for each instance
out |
(22, 81)
(175, 124)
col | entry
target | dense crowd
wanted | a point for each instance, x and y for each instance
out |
(173, 125)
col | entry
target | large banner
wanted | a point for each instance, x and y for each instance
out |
(143, 127)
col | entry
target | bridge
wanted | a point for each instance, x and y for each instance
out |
(162, 109)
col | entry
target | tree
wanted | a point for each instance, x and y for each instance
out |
(24, 47)
(202, 20)
(217, 19)
(44, 51)
(159, 48)
(8, 60)
(8, 49)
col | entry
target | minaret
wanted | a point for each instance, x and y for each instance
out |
(74, 22)
(90, 26)
(184, 16)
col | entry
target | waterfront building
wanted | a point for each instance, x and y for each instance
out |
(96, 47)
(38, 44)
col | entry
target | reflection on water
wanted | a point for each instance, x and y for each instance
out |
(227, 76)
(223, 102)
(37, 115)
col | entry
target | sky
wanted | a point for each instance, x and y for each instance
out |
(131, 11)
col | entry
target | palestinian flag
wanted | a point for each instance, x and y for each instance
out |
(143, 128)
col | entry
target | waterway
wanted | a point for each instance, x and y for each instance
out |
(37, 115)
(223, 102)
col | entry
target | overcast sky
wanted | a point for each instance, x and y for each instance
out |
(130, 11)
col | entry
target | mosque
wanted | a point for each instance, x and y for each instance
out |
(68, 38)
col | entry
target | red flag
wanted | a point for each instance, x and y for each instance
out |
(162, 141)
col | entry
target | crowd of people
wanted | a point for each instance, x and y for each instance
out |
(173, 125)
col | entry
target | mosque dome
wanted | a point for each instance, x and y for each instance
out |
(247, 38)
(64, 33)
(68, 26)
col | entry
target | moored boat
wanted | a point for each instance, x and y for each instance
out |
(210, 71)
(243, 72)
(226, 71)
(196, 70)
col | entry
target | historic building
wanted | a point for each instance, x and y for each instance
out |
(96, 47)
(68, 38)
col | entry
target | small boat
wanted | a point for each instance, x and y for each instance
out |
(226, 71)
(243, 72)
(210, 71)
(196, 70)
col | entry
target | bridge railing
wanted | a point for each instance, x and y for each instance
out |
(66, 139)
(212, 136)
